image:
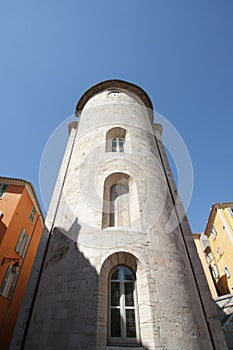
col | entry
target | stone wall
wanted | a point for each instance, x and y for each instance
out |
(224, 306)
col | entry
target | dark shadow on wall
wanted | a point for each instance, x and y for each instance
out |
(65, 312)
(226, 319)
(221, 286)
(2, 230)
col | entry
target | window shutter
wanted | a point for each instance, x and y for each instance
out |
(25, 248)
(20, 240)
(4, 283)
(13, 285)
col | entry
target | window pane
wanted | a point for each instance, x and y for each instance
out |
(130, 324)
(129, 288)
(115, 293)
(114, 145)
(121, 142)
(116, 275)
(128, 276)
(115, 323)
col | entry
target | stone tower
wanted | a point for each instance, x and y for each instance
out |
(121, 269)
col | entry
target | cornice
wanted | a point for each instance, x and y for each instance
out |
(213, 213)
(119, 84)
(30, 188)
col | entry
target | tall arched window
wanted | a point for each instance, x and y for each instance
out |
(115, 139)
(116, 208)
(123, 321)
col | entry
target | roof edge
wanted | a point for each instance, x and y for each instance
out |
(28, 184)
(114, 83)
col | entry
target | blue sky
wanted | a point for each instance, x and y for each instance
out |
(180, 52)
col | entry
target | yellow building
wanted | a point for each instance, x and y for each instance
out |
(200, 240)
(217, 245)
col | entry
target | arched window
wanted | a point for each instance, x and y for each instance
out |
(116, 208)
(123, 321)
(115, 140)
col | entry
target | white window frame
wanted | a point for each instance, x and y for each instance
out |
(209, 257)
(227, 272)
(117, 144)
(123, 339)
(115, 140)
(213, 232)
(219, 251)
(215, 271)
(3, 188)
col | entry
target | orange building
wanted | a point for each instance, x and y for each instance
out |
(21, 224)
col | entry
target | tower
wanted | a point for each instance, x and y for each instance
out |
(121, 270)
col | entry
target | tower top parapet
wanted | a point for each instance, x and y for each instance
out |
(114, 84)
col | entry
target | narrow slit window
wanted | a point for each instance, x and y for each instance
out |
(119, 205)
(116, 202)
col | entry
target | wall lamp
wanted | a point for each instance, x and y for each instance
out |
(15, 266)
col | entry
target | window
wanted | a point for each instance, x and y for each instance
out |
(230, 211)
(219, 251)
(213, 232)
(115, 140)
(116, 206)
(33, 213)
(114, 93)
(123, 323)
(208, 257)
(3, 188)
(9, 282)
(227, 273)
(23, 243)
(117, 144)
(215, 271)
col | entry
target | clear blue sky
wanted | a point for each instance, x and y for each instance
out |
(180, 52)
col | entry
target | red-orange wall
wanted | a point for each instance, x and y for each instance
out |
(16, 204)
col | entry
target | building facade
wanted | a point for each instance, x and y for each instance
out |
(21, 224)
(215, 249)
(121, 269)
(217, 245)
(200, 240)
